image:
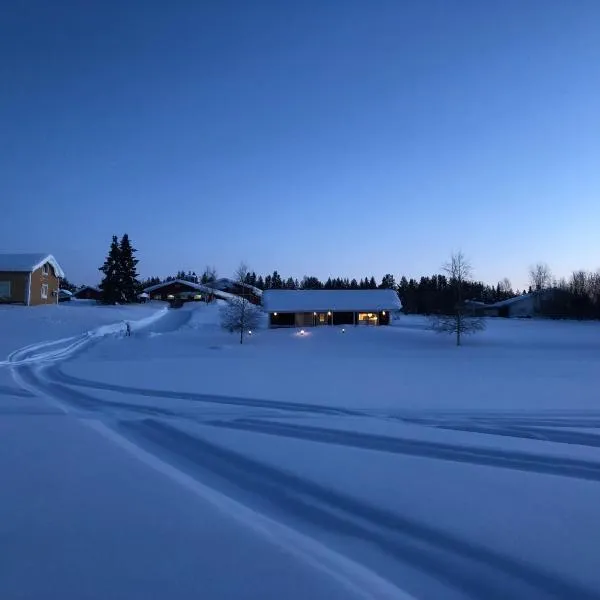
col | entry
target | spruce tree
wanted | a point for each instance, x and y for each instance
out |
(110, 285)
(129, 284)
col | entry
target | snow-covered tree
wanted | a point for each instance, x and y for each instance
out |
(458, 322)
(239, 314)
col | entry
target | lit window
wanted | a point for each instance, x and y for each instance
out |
(44, 291)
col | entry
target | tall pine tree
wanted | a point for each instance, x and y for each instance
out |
(129, 284)
(111, 282)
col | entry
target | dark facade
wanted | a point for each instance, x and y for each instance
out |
(324, 318)
(88, 293)
(180, 290)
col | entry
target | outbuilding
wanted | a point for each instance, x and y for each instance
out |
(88, 292)
(29, 279)
(311, 308)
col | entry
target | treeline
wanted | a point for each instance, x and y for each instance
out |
(575, 298)
(428, 295)
(437, 294)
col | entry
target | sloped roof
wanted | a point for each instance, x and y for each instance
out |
(27, 263)
(194, 286)
(335, 300)
(224, 282)
(510, 301)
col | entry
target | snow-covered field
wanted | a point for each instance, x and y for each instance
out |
(365, 463)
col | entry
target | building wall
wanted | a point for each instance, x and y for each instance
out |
(38, 279)
(88, 294)
(308, 319)
(524, 307)
(18, 287)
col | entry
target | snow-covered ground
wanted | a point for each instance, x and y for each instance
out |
(364, 463)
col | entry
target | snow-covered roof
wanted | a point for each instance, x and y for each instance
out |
(88, 287)
(224, 282)
(27, 263)
(335, 300)
(510, 301)
(205, 289)
(65, 292)
(196, 286)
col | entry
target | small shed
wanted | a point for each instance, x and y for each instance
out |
(88, 292)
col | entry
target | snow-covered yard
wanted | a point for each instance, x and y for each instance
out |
(364, 463)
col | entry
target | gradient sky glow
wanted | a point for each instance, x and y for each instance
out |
(321, 137)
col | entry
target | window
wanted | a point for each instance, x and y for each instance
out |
(44, 291)
(368, 319)
(45, 269)
(4, 290)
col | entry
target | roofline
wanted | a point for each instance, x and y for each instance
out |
(199, 286)
(49, 259)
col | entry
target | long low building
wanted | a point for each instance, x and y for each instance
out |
(309, 308)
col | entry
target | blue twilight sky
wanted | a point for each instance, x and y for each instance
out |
(347, 137)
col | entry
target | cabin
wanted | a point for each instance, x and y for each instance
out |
(181, 289)
(29, 279)
(313, 308)
(88, 292)
(238, 288)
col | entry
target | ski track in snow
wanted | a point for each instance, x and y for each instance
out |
(475, 571)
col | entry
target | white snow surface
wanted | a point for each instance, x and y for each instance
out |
(335, 300)
(369, 463)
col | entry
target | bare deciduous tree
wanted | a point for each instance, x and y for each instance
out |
(505, 286)
(239, 314)
(459, 322)
(209, 275)
(540, 276)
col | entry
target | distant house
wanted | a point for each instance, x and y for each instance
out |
(181, 289)
(308, 308)
(29, 279)
(525, 305)
(237, 288)
(88, 292)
